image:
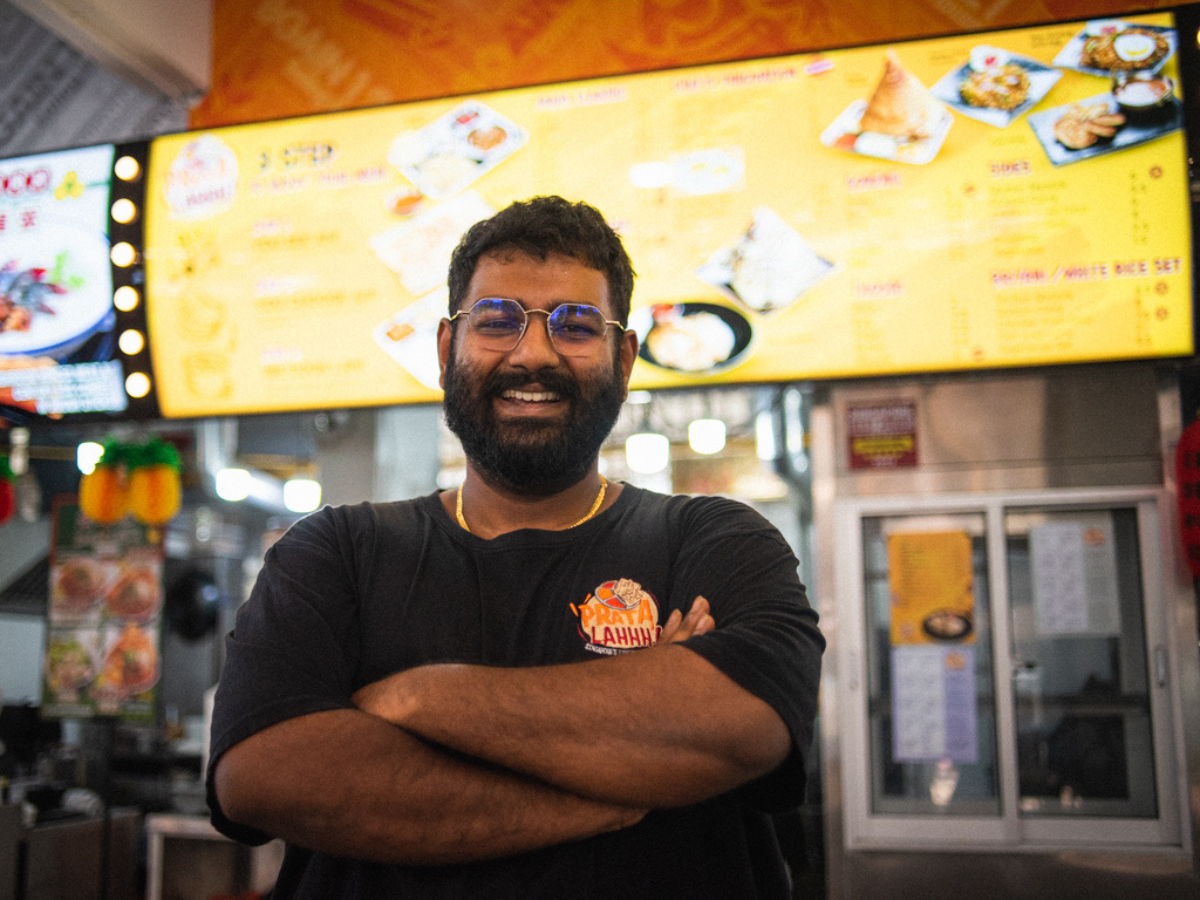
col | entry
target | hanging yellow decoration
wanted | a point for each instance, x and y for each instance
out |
(102, 492)
(154, 486)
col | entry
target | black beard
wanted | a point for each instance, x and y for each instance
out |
(532, 457)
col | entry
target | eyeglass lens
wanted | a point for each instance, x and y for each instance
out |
(574, 327)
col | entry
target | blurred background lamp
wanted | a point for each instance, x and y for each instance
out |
(137, 384)
(123, 254)
(233, 484)
(639, 397)
(301, 495)
(131, 342)
(125, 298)
(647, 452)
(87, 455)
(706, 436)
(127, 168)
(764, 436)
(124, 211)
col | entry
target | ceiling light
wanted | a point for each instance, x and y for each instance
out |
(301, 495)
(233, 484)
(647, 452)
(87, 455)
(706, 436)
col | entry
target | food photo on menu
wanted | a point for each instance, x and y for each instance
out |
(995, 86)
(901, 120)
(1138, 106)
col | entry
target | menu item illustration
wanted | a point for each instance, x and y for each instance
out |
(78, 584)
(1096, 126)
(902, 120)
(70, 662)
(54, 291)
(768, 267)
(455, 149)
(1105, 46)
(410, 336)
(693, 337)
(130, 665)
(419, 249)
(995, 86)
(946, 625)
(135, 595)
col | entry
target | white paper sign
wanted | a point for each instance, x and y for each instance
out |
(1075, 577)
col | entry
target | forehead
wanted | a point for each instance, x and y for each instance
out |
(538, 283)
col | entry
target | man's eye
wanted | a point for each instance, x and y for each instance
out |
(497, 325)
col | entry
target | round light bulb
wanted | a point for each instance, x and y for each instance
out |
(127, 168)
(137, 385)
(126, 298)
(131, 342)
(123, 254)
(124, 211)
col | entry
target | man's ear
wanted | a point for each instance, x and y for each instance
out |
(629, 350)
(445, 328)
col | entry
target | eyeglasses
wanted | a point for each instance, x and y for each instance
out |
(575, 329)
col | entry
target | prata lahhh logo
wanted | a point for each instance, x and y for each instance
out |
(202, 179)
(618, 616)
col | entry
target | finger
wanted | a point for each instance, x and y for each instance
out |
(671, 626)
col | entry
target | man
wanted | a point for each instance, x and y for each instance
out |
(541, 685)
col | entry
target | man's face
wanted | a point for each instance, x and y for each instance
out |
(530, 418)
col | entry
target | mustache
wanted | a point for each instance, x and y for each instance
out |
(496, 383)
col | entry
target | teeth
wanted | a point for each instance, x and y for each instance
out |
(531, 397)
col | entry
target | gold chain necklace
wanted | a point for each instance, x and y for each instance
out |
(458, 507)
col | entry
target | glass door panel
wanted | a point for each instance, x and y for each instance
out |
(931, 711)
(1081, 687)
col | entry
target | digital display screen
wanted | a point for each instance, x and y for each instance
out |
(1016, 198)
(57, 341)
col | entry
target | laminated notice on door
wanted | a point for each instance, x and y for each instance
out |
(1075, 577)
(934, 712)
(932, 586)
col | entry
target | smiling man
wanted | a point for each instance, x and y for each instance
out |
(541, 684)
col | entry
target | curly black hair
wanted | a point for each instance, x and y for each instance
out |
(541, 226)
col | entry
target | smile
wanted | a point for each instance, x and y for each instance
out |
(531, 396)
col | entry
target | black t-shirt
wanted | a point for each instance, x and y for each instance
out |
(352, 594)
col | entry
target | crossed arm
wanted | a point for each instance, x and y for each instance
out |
(490, 762)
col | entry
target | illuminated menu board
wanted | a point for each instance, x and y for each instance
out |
(57, 341)
(1018, 198)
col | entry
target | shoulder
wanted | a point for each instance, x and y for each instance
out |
(354, 526)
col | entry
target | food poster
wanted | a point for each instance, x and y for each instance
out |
(1074, 571)
(932, 586)
(105, 619)
(968, 202)
(934, 713)
(57, 344)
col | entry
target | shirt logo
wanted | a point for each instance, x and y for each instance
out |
(617, 617)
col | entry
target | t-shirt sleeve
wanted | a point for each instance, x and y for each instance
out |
(766, 637)
(292, 648)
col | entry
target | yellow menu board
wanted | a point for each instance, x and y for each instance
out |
(1009, 199)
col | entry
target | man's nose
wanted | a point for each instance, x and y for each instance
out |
(535, 350)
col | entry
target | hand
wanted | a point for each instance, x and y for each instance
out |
(679, 627)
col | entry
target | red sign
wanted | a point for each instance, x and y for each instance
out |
(1187, 475)
(882, 436)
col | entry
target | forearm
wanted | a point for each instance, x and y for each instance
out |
(661, 727)
(349, 784)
